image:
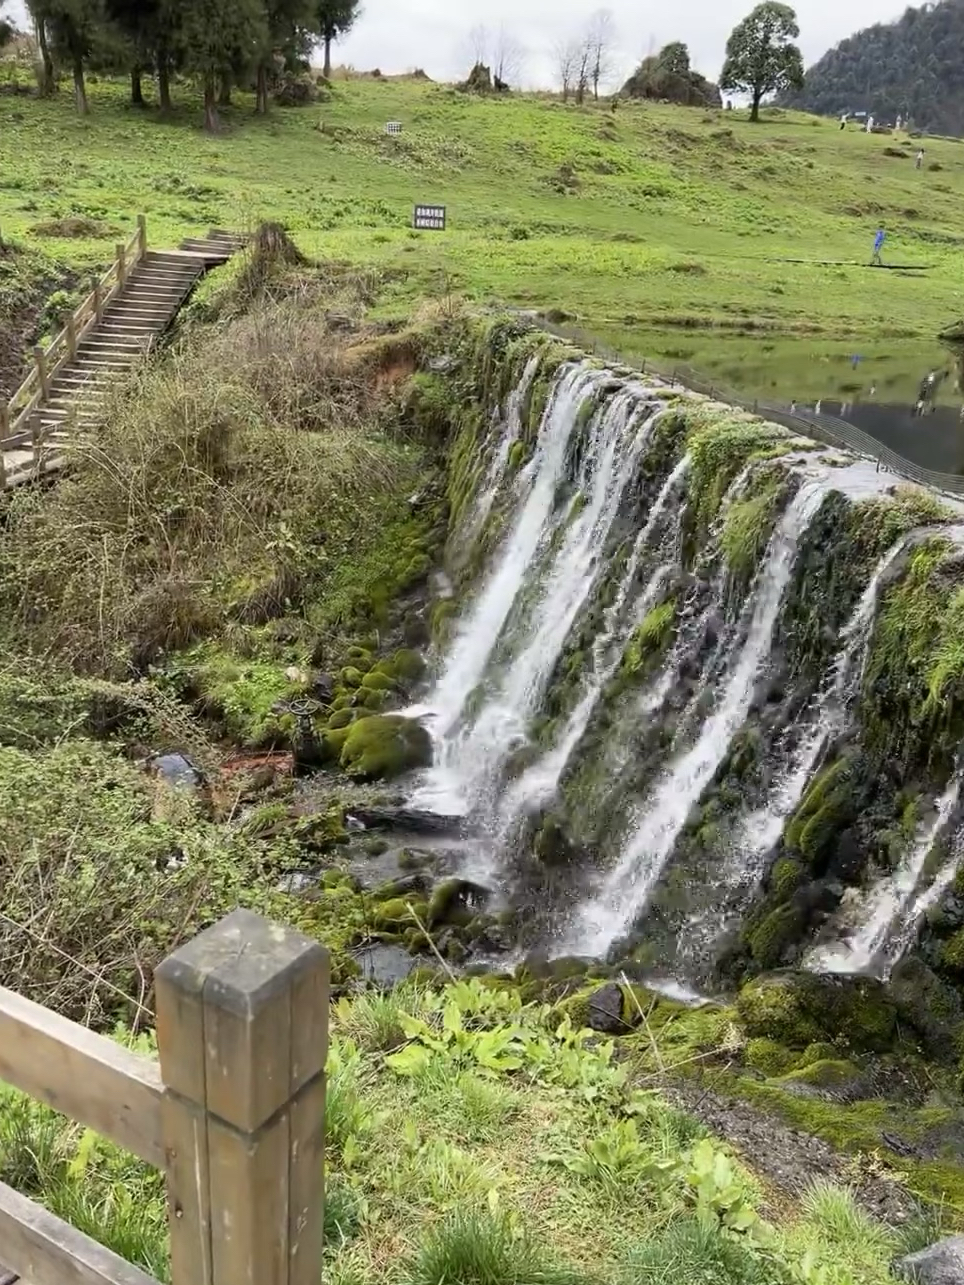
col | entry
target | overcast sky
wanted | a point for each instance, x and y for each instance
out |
(399, 35)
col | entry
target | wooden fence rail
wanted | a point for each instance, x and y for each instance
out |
(232, 1112)
(33, 392)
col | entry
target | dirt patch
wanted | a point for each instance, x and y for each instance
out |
(75, 227)
(27, 281)
(789, 1160)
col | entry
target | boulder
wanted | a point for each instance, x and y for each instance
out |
(385, 745)
(940, 1264)
(606, 1010)
(798, 1009)
(931, 1007)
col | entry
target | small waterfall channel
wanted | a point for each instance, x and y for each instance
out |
(594, 578)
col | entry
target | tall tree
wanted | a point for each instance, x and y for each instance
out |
(601, 37)
(335, 19)
(761, 57)
(7, 29)
(291, 27)
(216, 38)
(71, 28)
(139, 21)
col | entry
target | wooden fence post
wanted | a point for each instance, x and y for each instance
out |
(242, 1033)
(41, 360)
(121, 264)
(141, 236)
(98, 301)
(72, 337)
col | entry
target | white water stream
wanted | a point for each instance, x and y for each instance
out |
(626, 890)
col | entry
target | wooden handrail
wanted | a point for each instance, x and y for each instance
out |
(89, 1078)
(31, 392)
(233, 1113)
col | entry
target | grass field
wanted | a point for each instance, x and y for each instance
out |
(655, 217)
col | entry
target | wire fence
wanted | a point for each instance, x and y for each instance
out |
(825, 428)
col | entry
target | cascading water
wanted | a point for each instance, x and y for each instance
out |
(538, 708)
(550, 562)
(891, 913)
(626, 890)
(739, 875)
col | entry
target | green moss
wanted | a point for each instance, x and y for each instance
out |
(825, 1074)
(768, 1056)
(378, 682)
(517, 455)
(442, 618)
(749, 521)
(376, 847)
(359, 656)
(351, 677)
(786, 877)
(332, 743)
(952, 952)
(371, 699)
(241, 695)
(340, 718)
(800, 1009)
(830, 804)
(385, 745)
(649, 639)
(395, 914)
(768, 939)
(406, 666)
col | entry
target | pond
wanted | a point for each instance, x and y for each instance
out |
(877, 386)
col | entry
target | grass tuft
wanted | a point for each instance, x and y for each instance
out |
(486, 1249)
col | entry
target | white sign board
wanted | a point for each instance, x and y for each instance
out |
(431, 218)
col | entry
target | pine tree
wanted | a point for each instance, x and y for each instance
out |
(69, 30)
(335, 19)
(290, 29)
(218, 38)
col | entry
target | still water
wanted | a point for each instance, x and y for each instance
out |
(905, 393)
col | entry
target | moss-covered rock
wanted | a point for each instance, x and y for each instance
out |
(455, 901)
(769, 939)
(351, 676)
(798, 1009)
(517, 455)
(385, 746)
(340, 718)
(768, 1057)
(407, 665)
(377, 682)
(360, 657)
(829, 1073)
(395, 914)
(930, 1007)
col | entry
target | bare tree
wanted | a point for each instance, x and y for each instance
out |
(477, 43)
(584, 64)
(600, 39)
(568, 55)
(508, 57)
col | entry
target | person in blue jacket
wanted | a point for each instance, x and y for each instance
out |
(878, 246)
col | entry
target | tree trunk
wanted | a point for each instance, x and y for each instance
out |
(164, 83)
(224, 97)
(80, 88)
(327, 71)
(261, 97)
(48, 83)
(755, 109)
(137, 89)
(211, 122)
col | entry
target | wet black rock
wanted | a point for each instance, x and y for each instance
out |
(940, 1264)
(177, 770)
(606, 1010)
(407, 820)
(384, 965)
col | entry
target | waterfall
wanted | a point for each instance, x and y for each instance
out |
(539, 782)
(480, 631)
(760, 830)
(626, 890)
(890, 914)
(550, 562)
(535, 711)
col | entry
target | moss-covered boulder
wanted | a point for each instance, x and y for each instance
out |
(456, 901)
(798, 1009)
(377, 682)
(929, 1007)
(351, 676)
(385, 746)
(340, 718)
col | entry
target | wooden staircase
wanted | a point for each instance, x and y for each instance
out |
(115, 327)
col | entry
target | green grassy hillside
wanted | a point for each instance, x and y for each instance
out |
(656, 215)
